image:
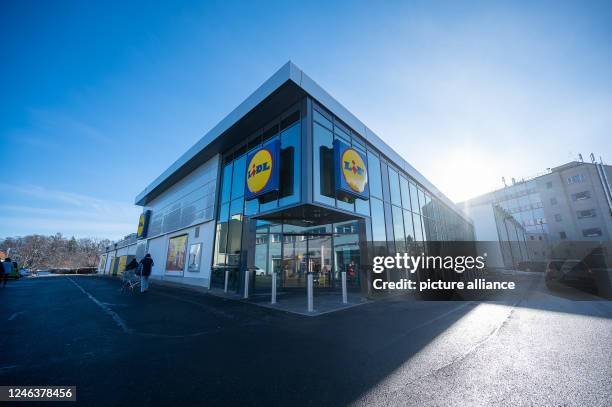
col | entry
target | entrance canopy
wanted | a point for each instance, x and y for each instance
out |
(307, 215)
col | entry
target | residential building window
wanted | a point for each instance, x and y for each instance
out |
(558, 217)
(549, 185)
(562, 235)
(589, 213)
(553, 201)
(574, 179)
(592, 232)
(579, 196)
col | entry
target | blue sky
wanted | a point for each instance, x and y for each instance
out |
(98, 98)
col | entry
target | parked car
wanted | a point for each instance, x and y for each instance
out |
(591, 273)
(574, 273)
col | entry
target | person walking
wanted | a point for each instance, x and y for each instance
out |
(145, 271)
(5, 269)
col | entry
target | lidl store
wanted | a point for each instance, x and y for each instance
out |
(291, 183)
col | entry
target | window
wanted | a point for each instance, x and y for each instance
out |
(593, 232)
(558, 217)
(549, 185)
(562, 235)
(374, 175)
(238, 179)
(290, 165)
(418, 231)
(405, 193)
(398, 228)
(323, 165)
(394, 187)
(574, 179)
(414, 198)
(226, 184)
(589, 213)
(579, 196)
(322, 119)
(408, 226)
(553, 201)
(378, 221)
(422, 201)
(195, 253)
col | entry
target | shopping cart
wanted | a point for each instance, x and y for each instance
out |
(129, 280)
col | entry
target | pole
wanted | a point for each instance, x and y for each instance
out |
(309, 292)
(226, 280)
(246, 283)
(344, 295)
(273, 301)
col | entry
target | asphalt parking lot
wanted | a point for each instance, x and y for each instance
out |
(177, 346)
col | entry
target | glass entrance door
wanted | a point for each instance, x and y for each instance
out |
(294, 261)
(319, 258)
(304, 254)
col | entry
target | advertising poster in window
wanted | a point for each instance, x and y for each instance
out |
(195, 251)
(177, 248)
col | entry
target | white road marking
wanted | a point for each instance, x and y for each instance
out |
(12, 317)
(120, 322)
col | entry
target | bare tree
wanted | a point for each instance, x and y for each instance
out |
(39, 252)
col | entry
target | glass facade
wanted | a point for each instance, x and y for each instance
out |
(269, 234)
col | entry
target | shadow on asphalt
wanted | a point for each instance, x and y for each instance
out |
(183, 346)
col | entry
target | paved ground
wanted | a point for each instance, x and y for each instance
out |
(173, 346)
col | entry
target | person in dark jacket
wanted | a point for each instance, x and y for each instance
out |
(5, 269)
(146, 264)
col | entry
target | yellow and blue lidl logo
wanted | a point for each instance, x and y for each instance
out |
(259, 171)
(354, 170)
(141, 223)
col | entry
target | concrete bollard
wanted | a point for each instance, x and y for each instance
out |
(344, 295)
(273, 301)
(309, 293)
(246, 284)
(226, 280)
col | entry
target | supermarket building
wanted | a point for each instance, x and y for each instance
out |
(291, 183)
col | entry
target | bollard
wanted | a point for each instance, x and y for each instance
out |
(226, 280)
(246, 283)
(273, 301)
(309, 293)
(344, 296)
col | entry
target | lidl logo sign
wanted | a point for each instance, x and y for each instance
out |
(351, 171)
(354, 170)
(143, 224)
(262, 171)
